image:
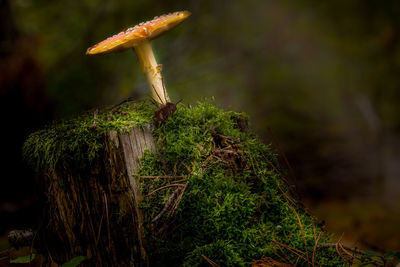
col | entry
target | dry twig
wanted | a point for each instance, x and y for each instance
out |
(287, 198)
(162, 187)
(161, 176)
(357, 253)
(210, 261)
(293, 250)
(166, 206)
(275, 141)
(301, 228)
(331, 245)
(178, 200)
(315, 249)
(283, 253)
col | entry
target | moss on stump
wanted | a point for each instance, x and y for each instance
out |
(212, 192)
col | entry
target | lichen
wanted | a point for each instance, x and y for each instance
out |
(235, 207)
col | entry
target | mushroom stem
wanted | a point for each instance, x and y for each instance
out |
(152, 71)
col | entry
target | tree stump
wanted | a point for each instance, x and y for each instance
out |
(230, 204)
(95, 212)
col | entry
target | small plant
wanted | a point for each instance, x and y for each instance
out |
(74, 261)
(24, 259)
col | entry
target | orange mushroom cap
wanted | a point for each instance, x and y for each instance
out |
(135, 35)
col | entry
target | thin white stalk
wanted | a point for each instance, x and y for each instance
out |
(152, 71)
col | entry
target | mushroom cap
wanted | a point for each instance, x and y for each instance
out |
(141, 32)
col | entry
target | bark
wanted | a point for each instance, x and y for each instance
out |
(94, 211)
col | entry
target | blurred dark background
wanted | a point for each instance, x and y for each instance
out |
(319, 79)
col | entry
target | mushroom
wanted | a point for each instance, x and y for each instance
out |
(139, 38)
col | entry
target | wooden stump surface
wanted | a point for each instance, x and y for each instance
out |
(95, 211)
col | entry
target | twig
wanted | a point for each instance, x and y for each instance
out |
(172, 211)
(161, 176)
(293, 250)
(173, 229)
(272, 165)
(157, 94)
(284, 245)
(301, 228)
(282, 259)
(287, 260)
(162, 187)
(313, 227)
(287, 198)
(297, 261)
(315, 249)
(178, 200)
(331, 245)
(129, 99)
(281, 176)
(282, 154)
(178, 181)
(166, 206)
(210, 261)
(345, 251)
(337, 244)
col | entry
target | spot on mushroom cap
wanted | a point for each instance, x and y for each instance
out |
(141, 32)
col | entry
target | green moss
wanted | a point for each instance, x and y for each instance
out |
(234, 205)
(235, 208)
(78, 141)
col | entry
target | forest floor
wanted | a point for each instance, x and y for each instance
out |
(367, 225)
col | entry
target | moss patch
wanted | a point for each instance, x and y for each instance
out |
(78, 141)
(235, 206)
